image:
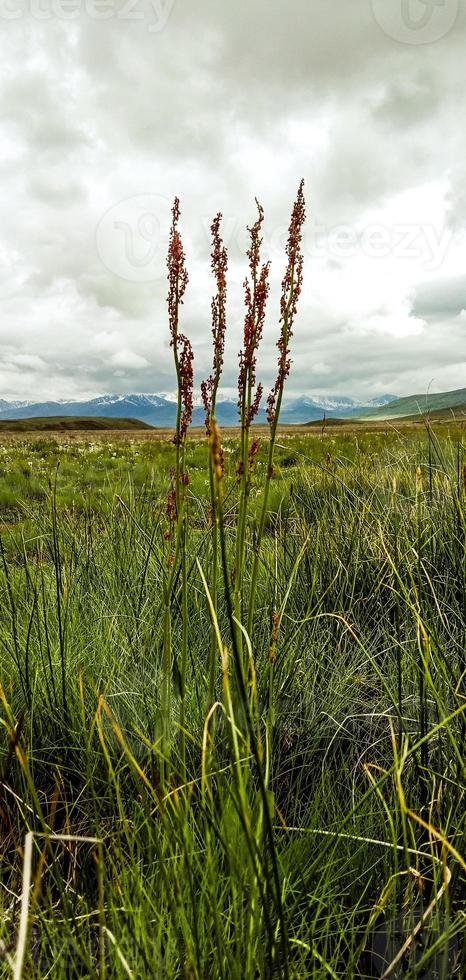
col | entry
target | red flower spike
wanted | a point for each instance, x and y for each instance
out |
(291, 291)
(253, 451)
(177, 274)
(256, 294)
(186, 358)
(219, 266)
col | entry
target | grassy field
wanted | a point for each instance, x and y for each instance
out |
(300, 813)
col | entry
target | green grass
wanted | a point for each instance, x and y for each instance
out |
(292, 829)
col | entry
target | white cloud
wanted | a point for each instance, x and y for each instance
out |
(103, 122)
(321, 368)
(128, 359)
(106, 341)
(28, 361)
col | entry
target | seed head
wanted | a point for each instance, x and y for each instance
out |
(216, 451)
(177, 274)
(253, 451)
(291, 291)
(219, 266)
(255, 404)
(186, 359)
(256, 292)
(171, 510)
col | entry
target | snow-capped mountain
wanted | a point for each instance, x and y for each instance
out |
(309, 409)
(151, 408)
(159, 408)
(4, 405)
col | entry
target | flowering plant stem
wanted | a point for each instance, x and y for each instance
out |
(177, 499)
(291, 290)
(209, 389)
(249, 398)
(265, 506)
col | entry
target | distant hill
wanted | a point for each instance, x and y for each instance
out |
(456, 413)
(331, 422)
(57, 423)
(417, 405)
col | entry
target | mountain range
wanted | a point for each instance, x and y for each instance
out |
(159, 409)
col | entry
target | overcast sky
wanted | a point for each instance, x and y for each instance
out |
(110, 109)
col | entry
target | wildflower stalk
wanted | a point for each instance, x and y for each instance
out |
(209, 389)
(176, 502)
(291, 290)
(249, 394)
(263, 840)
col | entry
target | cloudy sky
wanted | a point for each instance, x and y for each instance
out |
(109, 109)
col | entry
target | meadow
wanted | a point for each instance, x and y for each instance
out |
(232, 695)
(304, 840)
